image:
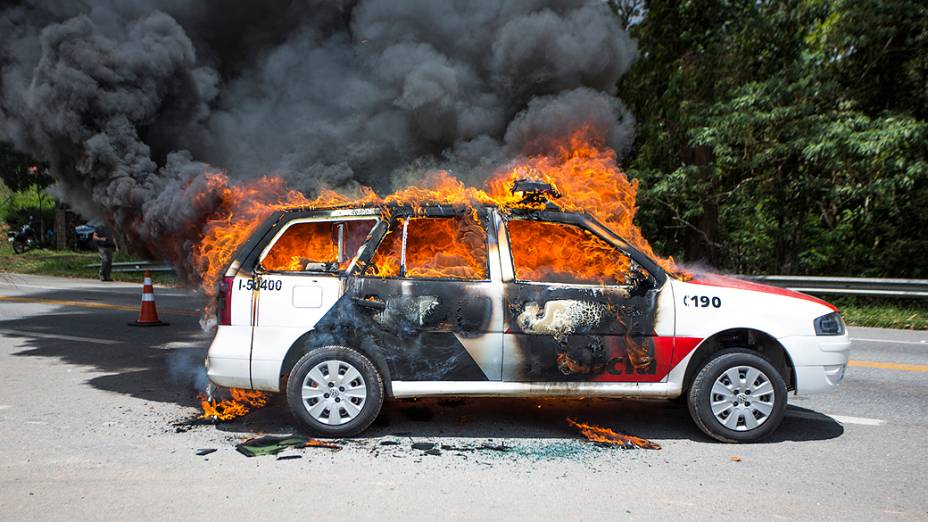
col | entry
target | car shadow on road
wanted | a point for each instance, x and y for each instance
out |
(165, 365)
(511, 418)
(153, 364)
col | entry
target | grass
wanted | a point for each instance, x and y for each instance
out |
(68, 263)
(906, 314)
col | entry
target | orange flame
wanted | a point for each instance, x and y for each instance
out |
(583, 171)
(444, 248)
(316, 443)
(241, 402)
(602, 435)
(589, 180)
(301, 243)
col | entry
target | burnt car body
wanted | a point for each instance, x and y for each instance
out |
(343, 307)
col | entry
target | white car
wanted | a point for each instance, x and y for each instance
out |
(343, 308)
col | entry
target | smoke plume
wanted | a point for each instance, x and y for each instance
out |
(132, 102)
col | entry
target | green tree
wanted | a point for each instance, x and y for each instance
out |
(20, 172)
(784, 136)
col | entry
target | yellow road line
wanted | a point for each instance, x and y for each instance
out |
(891, 366)
(91, 304)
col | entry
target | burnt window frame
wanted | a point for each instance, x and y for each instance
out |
(588, 224)
(408, 213)
(333, 217)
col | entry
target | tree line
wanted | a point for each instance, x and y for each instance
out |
(782, 136)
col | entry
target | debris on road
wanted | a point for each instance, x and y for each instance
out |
(205, 451)
(289, 457)
(429, 448)
(606, 436)
(482, 447)
(735, 458)
(274, 444)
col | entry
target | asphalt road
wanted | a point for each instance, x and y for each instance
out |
(94, 424)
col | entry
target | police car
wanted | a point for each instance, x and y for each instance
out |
(343, 308)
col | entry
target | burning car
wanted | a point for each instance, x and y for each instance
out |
(342, 308)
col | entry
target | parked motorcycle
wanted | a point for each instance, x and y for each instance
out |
(22, 240)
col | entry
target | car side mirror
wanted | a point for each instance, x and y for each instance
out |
(641, 281)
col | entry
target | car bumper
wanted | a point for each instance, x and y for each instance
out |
(819, 361)
(229, 361)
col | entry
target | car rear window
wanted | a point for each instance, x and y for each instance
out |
(316, 242)
(436, 248)
(562, 253)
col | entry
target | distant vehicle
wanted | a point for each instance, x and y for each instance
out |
(342, 308)
(83, 235)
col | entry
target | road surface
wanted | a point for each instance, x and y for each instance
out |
(95, 424)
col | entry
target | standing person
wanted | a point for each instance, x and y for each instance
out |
(103, 238)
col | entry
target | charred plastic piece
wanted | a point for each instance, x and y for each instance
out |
(274, 444)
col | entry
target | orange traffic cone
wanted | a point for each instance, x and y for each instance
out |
(148, 315)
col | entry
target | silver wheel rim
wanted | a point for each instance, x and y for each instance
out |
(742, 398)
(334, 392)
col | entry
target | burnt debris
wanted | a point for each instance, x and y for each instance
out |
(274, 444)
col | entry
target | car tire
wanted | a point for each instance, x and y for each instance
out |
(335, 391)
(737, 396)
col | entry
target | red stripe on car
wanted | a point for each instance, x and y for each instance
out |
(741, 284)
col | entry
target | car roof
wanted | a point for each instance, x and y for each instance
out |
(419, 207)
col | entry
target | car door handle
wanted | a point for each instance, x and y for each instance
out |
(371, 302)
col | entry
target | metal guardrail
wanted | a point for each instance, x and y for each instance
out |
(135, 266)
(863, 286)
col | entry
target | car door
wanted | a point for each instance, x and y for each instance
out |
(298, 279)
(428, 293)
(577, 307)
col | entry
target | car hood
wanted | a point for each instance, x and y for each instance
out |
(721, 281)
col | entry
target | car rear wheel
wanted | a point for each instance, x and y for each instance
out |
(335, 391)
(737, 396)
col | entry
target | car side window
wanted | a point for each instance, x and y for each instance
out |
(562, 253)
(316, 245)
(435, 248)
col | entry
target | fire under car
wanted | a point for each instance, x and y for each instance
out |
(343, 308)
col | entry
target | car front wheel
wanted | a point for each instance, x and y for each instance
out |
(737, 396)
(335, 391)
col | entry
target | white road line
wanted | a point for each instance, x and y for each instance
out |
(863, 421)
(843, 419)
(923, 342)
(39, 335)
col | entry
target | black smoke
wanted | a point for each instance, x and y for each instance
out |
(131, 102)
